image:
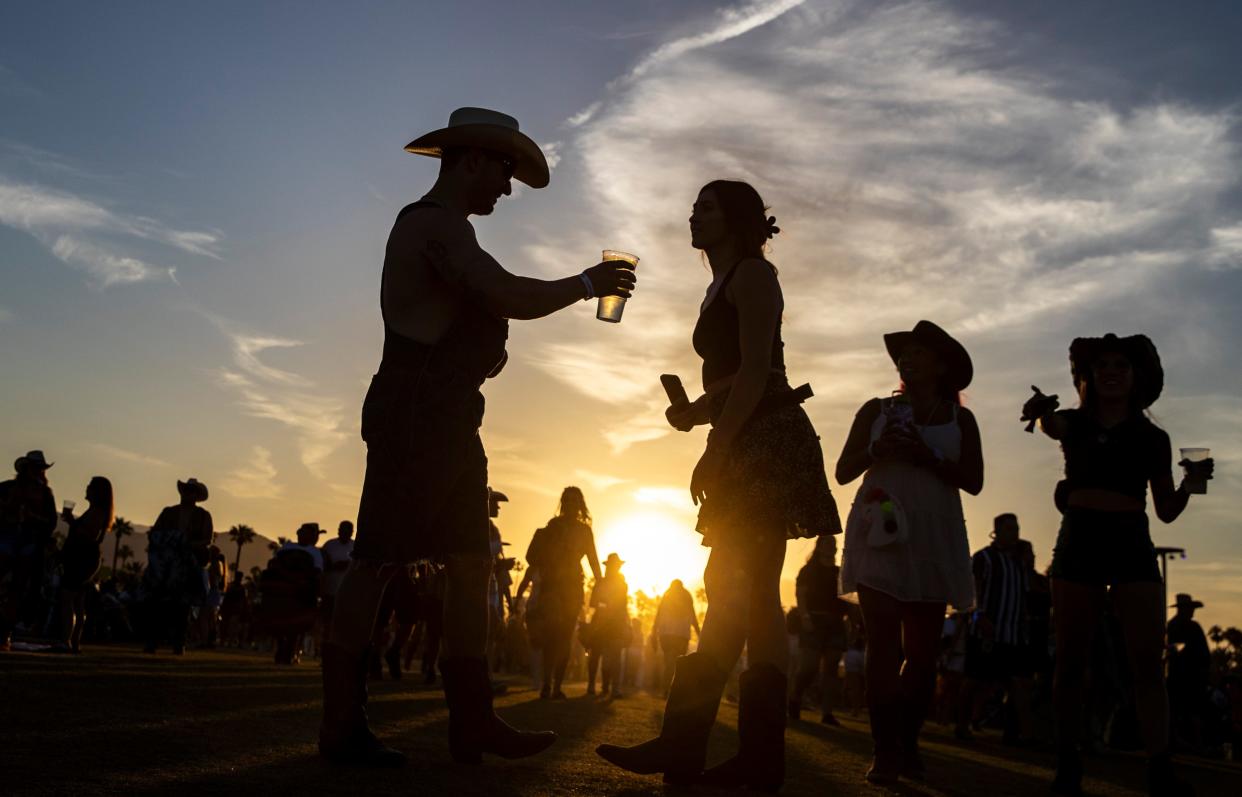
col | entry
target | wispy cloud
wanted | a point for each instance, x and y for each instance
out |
(598, 481)
(911, 176)
(264, 391)
(85, 234)
(131, 457)
(254, 478)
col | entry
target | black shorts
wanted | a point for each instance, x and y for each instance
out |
(425, 492)
(987, 660)
(1104, 548)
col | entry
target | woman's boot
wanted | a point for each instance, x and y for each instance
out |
(760, 760)
(474, 728)
(344, 736)
(681, 748)
(886, 764)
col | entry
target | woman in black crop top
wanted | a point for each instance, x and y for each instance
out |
(760, 482)
(1112, 453)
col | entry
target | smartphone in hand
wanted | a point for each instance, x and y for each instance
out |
(674, 390)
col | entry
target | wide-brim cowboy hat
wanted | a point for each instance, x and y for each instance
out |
(1184, 599)
(34, 458)
(613, 559)
(959, 370)
(497, 496)
(1138, 349)
(310, 528)
(193, 488)
(489, 130)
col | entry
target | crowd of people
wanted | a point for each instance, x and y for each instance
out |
(919, 627)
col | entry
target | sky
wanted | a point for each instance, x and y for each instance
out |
(194, 203)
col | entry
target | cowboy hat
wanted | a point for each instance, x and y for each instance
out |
(35, 458)
(489, 130)
(193, 488)
(613, 559)
(958, 368)
(496, 495)
(310, 528)
(1138, 349)
(1184, 599)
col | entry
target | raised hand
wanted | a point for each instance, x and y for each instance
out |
(612, 278)
(1037, 406)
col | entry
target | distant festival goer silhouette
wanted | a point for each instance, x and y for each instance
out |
(81, 557)
(445, 304)
(822, 634)
(1190, 667)
(610, 630)
(1112, 452)
(176, 555)
(760, 481)
(555, 559)
(674, 620)
(27, 520)
(997, 647)
(906, 552)
(336, 554)
(289, 590)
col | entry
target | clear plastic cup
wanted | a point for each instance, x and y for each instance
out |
(610, 308)
(1196, 486)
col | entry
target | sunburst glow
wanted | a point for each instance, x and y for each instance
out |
(656, 547)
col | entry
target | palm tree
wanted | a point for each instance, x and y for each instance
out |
(122, 528)
(241, 534)
(124, 553)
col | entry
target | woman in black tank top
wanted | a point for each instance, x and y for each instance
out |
(1112, 452)
(760, 482)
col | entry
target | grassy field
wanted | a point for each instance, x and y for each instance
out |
(114, 721)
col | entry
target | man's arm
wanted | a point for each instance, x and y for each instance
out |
(456, 255)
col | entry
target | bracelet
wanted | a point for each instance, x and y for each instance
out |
(590, 289)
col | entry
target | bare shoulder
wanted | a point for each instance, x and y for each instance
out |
(414, 230)
(869, 410)
(754, 277)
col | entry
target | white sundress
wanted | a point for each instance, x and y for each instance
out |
(933, 564)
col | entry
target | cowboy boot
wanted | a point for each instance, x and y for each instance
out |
(760, 760)
(910, 722)
(474, 728)
(344, 736)
(886, 763)
(681, 748)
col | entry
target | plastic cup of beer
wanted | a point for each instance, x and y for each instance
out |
(610, 308)
(67, 507)
(1195, 485)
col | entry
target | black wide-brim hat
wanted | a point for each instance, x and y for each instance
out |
(489, 130)
(959, 370)
(1138, 349)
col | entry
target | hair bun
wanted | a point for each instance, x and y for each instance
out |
(772, 228)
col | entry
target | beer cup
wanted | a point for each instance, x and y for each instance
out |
(610, 308)
(1196, 485)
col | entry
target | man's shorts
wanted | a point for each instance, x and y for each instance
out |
(1104, 548)
(425, 492)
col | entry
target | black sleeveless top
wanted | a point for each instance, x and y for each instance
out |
(1122, 459)
(716, 336)
(473, 346)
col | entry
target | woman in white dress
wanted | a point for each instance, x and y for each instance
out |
(906, 552)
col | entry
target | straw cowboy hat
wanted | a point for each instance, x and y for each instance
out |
(1185, 601)
(959, 371)
(192, 488)
(490, 130)
(34, 458)
(1138, 349)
